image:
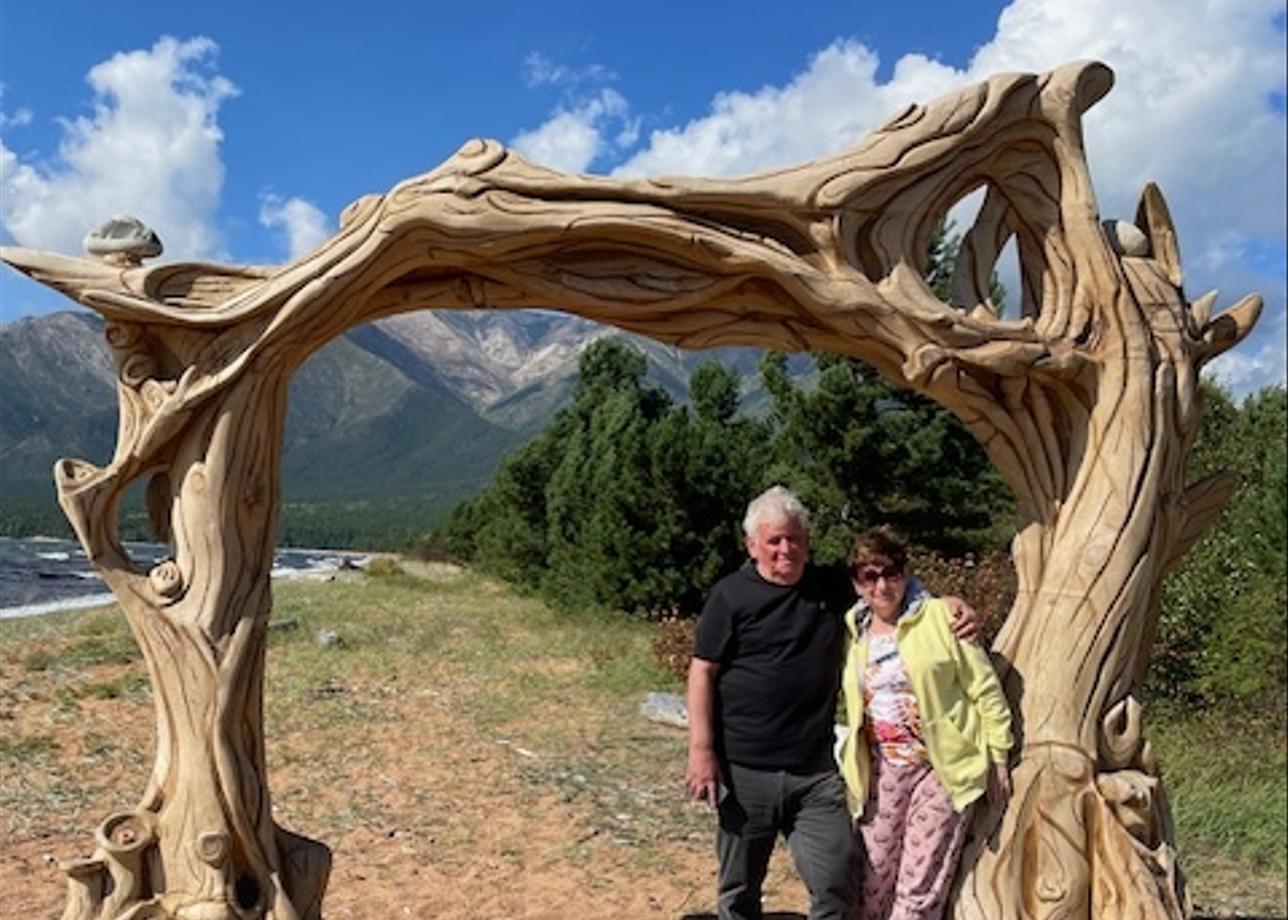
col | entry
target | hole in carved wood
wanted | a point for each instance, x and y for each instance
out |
(246, 891)
(972, 259)
(1010, 283)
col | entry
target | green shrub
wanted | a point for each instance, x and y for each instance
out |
(672, 646)
(39, 660)
(986, 582)
(383, 567)
(1223, 629)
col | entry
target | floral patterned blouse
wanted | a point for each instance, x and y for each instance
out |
(893, 724)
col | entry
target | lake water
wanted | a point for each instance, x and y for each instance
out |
(41, 576)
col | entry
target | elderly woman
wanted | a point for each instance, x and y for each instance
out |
(930, 732)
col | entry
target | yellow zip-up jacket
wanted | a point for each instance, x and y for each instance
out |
(965, 719)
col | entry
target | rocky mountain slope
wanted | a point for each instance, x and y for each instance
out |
(421, 405)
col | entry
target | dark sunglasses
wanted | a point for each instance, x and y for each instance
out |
(870, 575)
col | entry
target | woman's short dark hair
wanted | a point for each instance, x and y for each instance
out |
(878, 543)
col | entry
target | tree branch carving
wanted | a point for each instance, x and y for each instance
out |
(1087, 403)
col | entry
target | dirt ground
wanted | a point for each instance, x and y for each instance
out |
(434, 808)
(450, 826)
(466, 753)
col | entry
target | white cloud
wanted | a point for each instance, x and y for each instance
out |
(1256, 363)
(304, 225)
(150, 148)
(1190, 105)
(539, 70)
(18, 119)
(828, 106)
(1190, 110)
(572, 138)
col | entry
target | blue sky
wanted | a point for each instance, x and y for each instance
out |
(240, 131)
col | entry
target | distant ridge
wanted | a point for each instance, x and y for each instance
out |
(414, 411)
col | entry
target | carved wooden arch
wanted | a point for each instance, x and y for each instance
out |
(1087, 404)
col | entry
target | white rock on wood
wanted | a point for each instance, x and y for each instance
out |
(123, 240)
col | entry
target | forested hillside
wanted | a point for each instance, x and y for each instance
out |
(371, 450)
(387, 427)
(631, 501)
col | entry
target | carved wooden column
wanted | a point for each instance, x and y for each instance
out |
(1098, 462)
(1087, 403)
(201, 844)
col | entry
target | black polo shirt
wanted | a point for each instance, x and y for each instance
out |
(780, 649)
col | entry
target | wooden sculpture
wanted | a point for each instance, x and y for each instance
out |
(1087, 403)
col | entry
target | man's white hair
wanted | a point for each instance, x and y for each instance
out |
(777, 503)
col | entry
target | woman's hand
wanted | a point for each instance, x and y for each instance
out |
(966, 623)
(998, 790)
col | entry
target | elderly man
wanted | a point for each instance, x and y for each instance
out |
(762, 696)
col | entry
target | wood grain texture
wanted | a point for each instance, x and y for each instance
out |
(1087, 403)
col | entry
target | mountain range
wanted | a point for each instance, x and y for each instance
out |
(393, 422)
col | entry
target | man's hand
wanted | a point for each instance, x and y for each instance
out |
(702, 778)
(999, 784)
(965, 619)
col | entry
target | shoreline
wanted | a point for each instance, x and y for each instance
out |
(80, 602)
(330, 563)
(107, 599)
(45, 538)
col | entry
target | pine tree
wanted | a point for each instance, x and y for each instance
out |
(627, 500)
(861, 452)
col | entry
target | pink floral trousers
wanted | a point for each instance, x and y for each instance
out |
(912, 840)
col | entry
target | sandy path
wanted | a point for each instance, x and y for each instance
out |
(431, 812)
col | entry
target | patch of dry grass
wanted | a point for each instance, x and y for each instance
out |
(465, 750)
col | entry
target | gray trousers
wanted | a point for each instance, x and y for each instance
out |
(809, 810)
